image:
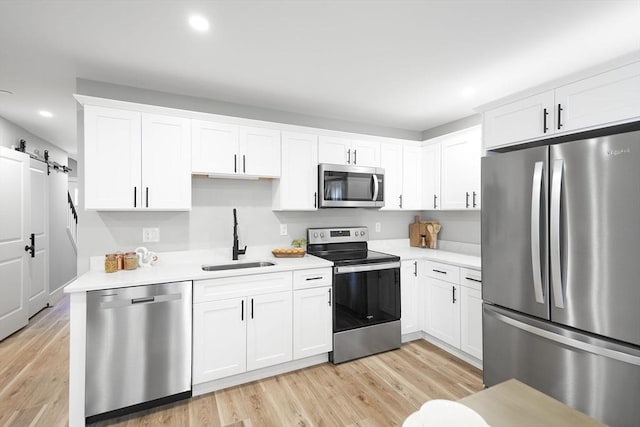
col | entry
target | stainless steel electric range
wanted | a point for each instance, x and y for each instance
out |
(366, 292)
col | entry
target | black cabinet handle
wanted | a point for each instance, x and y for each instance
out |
(560, 116)
(473, 280)
(349, 156)
(355, 161)
(435, 201)
(242, 311)
(244, 164)
(467, 199)
(235, 163)
(315, 199)
(31, 249)
(135, 197)
(545, 113)
(415, 268)
(400, 197)
(252, 308)
(453, 298)
(329, 297)
(439, 271)
(147, 196)
(474, 199)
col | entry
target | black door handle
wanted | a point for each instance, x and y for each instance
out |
(31, 249)
(453, 300)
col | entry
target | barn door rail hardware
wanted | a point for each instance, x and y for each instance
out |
(36, 156)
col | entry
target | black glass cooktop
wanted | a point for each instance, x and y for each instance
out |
(356, 257)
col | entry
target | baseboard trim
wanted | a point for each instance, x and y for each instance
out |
(456, 352)
(259, 374)
(58, 294)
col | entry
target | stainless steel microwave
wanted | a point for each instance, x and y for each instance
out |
(344, 186)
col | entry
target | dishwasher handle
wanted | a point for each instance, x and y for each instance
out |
(125, 302)
(142, 300)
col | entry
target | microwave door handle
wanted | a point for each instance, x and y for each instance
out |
(376, 186)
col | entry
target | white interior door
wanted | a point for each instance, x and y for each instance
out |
(14, 236)
(39, 264)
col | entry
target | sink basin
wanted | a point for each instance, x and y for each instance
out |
(221, 267)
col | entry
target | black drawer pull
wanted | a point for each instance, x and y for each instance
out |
(440, 271)
(314, 278)
(473, 280)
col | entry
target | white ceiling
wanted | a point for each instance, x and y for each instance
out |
(399, 64)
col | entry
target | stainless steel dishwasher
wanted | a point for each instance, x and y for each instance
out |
(138, 348)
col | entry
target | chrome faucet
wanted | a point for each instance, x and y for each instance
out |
(236, 250)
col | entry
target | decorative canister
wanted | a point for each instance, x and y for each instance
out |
(120, 258)
(110, 263)
(130, 261)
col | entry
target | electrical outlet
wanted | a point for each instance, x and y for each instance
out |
(150, 235)
(377, 227)
(283, 229)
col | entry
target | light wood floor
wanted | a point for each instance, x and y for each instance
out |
(380, 390)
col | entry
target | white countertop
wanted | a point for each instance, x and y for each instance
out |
(186, 265)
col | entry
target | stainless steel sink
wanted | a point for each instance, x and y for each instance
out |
(221, 267)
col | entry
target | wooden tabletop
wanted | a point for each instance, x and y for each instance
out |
(513, 403)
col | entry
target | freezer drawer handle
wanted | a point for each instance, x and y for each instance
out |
(569, 342)
(556, 268)
(535, 232)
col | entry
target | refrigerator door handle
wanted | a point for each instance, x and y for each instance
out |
(554, 247)
(567, 341)
(535, 231)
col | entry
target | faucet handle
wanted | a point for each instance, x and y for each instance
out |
(242, 251)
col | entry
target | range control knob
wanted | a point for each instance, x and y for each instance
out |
(362, 233)
(356, 234)
(315, 234)
(322, 235)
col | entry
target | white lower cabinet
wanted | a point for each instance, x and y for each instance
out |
(240, 324)
(452, 302)
(269, 330)
(312, 312)
(409, 296)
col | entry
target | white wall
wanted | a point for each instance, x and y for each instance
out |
(62, 262)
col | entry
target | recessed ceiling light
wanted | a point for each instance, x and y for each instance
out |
(5, 92)
(467, 92)
(199, 23)
(44, 113)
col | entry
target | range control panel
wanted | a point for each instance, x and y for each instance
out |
(337, 235)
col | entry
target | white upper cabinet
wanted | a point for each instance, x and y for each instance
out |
(166, 162)
(431, 155)
(260, 150)
(297, 188)
(231, 150)
(136, 160)
(343, 151)
(391, 162)
(460, 174)
(604, 99)
(528, 118)
(215, 147)
(411, 178)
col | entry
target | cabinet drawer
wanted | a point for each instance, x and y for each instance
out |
(471, 278)
(239, 286)
(314, 278)
(446, 272)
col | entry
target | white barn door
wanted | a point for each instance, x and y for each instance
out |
(39, 264)
(15, 225)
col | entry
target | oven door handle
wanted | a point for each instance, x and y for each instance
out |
(366, 267)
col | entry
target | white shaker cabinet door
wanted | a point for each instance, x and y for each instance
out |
(521, 120)
(471, 321)
(460, 170)
(409, 296)
(112, 158)
(411, 178)
(297, 188)
(605, 98)
(391, 162)
(215, 148)
(365, 153)
(166, 162)
(219, 339)
(334, 150)
(260, 152)
(312, 322)
(443, 311)
(431, 155)
(269, 330)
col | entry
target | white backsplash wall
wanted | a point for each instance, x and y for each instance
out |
(457, 226)
(210, 222)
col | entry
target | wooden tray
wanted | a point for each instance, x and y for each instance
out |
(279, 254)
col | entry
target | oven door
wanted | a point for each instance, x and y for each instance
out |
(365, 295)
(350, 186)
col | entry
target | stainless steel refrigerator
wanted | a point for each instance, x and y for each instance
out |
(561, 273)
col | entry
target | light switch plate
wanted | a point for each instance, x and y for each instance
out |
(150, 235)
